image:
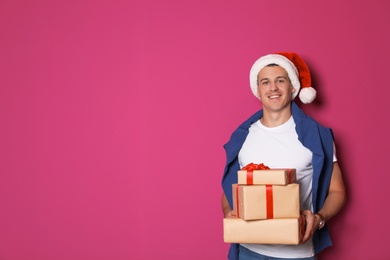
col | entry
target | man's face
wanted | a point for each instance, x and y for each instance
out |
(274, 88)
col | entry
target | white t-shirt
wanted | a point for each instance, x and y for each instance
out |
(279, 147)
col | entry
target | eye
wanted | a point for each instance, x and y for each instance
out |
(264, 82)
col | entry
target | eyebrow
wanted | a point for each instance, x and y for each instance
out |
(278, 77)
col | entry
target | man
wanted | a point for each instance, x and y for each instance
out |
(282, 136)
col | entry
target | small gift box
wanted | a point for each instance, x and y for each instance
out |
(253, 202)
(269, 231)
(261, 174)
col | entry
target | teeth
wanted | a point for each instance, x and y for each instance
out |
(273, 96)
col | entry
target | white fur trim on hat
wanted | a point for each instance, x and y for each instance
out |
(280, 60)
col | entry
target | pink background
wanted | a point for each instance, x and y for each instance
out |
(113, 115)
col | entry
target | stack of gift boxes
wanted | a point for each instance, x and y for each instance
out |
(266, 207)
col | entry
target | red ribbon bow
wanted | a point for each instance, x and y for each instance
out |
(252, 166)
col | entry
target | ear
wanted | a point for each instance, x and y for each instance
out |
(292, 89)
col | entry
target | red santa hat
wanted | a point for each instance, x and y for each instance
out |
(297, 71)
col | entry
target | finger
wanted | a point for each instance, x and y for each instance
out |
(229, 214)
(307, 234)
(308, 225)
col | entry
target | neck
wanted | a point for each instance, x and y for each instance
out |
(270, 119)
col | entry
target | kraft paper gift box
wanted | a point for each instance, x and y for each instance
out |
(270, 231)
(271, 176)
(253, 202)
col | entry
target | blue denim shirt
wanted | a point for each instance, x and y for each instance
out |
(318, 139)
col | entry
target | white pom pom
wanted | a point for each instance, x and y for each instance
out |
(307, 95)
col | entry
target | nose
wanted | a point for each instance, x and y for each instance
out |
(274, 86)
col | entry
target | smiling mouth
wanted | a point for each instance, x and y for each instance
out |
(274, 96)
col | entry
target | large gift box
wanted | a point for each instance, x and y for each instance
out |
(253, 202)
(267, 176)
(269, 231)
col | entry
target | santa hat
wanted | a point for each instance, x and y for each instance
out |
(297, 71)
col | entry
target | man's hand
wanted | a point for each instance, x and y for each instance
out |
(311, 225)
(229, 214)
(227, 211)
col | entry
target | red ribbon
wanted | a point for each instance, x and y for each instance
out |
(249, 177)
(269, 201)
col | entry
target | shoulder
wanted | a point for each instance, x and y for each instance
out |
(301, 117)
(239, 135)
(244, 126)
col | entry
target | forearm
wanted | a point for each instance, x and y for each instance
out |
(336, 198)
(333, 204)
